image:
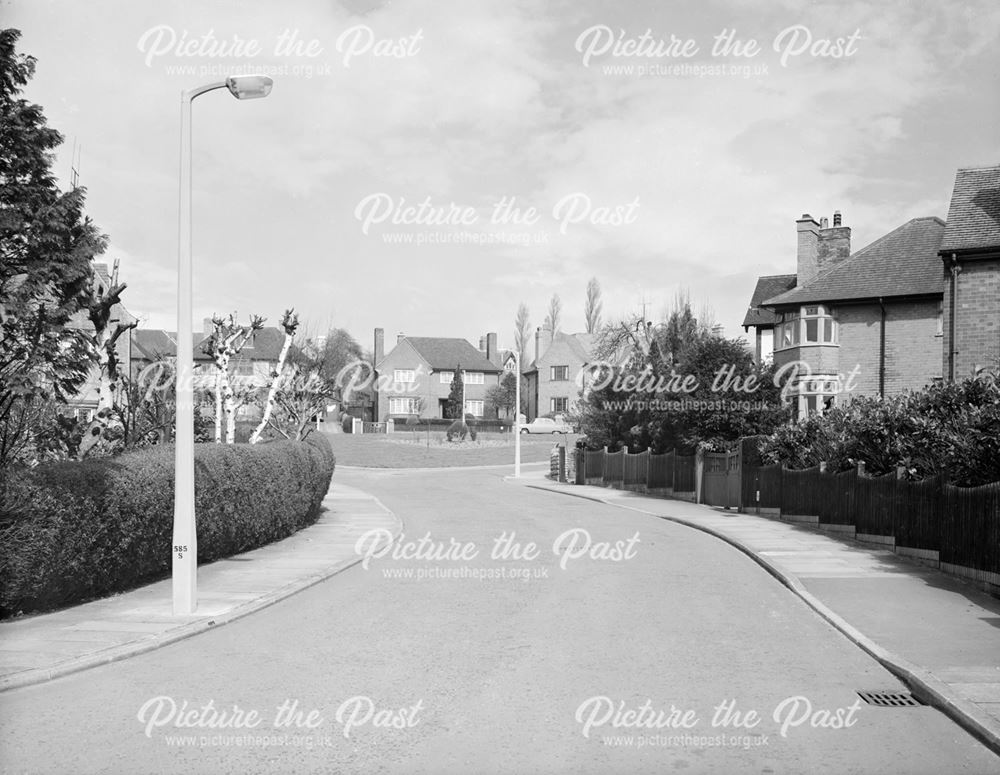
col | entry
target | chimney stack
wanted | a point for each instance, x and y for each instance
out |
(400, 337)
(379, 352)
(491, 349)
(808, 244)
(834, 244)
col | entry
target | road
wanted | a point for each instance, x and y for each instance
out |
(607, 659)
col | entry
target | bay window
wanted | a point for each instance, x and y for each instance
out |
(814, 324)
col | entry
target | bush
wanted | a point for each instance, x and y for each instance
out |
(73, 531)
(952, 430)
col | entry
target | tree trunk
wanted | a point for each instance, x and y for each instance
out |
(273, 390)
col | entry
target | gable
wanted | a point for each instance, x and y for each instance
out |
(767, 287)
(974, 212)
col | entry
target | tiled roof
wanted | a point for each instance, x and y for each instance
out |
(902, 263)
(582, 345)
(443, 353)
(768, 286)
(974, 214)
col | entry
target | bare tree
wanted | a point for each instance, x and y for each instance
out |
(104, 342)
(552, 320)
(522, 330)
(592, 309)
(227, 340)
(289, 324)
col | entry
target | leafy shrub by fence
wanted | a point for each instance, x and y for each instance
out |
(73, 531)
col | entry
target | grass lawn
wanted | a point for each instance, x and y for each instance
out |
(415, 450)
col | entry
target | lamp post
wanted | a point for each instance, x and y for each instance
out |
(185, 537)
(517, 414)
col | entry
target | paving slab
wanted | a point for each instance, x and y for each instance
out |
(38, 648)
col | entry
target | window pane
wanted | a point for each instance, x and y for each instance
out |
(827, 330)
(812, 330)
(795, 332)
(810, 404)
(811, 310)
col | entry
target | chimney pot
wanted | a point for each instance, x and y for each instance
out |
(836, 217)
(400, 337)
(824, 223)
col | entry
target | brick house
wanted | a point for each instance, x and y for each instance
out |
(971, 255)
(553, 379)
(414, 378)
(868, 322)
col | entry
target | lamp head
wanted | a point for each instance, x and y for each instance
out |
(249, 87)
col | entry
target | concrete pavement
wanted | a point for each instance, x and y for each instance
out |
(42, 647)
(939, 635)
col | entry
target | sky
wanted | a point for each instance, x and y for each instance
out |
(424, 167)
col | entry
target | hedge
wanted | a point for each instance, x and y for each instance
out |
(73, 531)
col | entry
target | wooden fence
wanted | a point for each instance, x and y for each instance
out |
(953, 526)
(667, 473)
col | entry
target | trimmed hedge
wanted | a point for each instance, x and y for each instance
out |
(74, 531)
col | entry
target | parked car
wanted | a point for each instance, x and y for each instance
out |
(546, 425)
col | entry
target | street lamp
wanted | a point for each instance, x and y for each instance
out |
(517, 414)
(185, 537)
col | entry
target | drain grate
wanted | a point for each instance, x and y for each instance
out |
(889, 699)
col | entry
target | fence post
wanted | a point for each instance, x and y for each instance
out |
(581, 465)
(822, 466)
(699, 472)
(861, 468)
(390, 425)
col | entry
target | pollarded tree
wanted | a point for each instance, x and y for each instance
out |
(227, 340)
(111, 379)
(46, 275)
(289, 324)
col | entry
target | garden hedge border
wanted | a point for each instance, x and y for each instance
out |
(74, 531)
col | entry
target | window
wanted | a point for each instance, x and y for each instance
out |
(474, 407)
(403, 405)
(243, 367)
(404, 375)
(810, 325)
(815, 396)
(560, 404)
(474, 378)
(940, 319)
(559, 373)
(447, 377)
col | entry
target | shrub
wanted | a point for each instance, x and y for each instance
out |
(73, 531)
(952, 430)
